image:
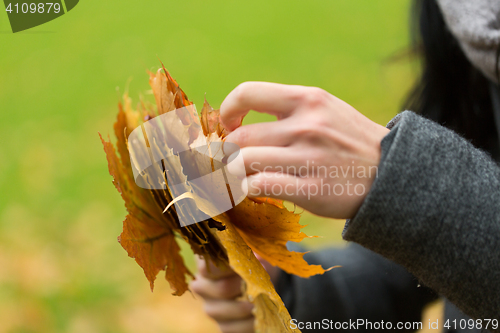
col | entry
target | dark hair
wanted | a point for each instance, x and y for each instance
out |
(450, 91)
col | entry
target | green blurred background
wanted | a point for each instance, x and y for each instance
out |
(61, 268)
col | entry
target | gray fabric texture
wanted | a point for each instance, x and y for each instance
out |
(435, 210)
(476, 25)
(367, 287)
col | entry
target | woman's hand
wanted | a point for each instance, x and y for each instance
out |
(321, 154)
(220, 289)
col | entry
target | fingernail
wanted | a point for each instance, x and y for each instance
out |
(229, 148)
(236, 165)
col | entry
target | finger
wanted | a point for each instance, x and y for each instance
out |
(276, 133)
(210, 271)
(227, 288)
(227, 310)
(238, 326)
(280, 186)
(272, 270)
(280, 160)
(272, 98)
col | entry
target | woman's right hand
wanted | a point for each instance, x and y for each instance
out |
(220, 290)
(321, 153)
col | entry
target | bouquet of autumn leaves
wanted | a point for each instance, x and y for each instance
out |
(150, 231)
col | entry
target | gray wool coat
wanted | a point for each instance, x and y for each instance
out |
(429, 227)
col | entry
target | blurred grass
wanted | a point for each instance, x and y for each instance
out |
(61, 268)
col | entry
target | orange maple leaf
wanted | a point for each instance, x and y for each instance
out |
(150, 231)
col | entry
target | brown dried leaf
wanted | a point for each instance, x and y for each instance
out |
(145, 227)
(264, 223)
(270, 313)
(149, 234)
(154, 249)
(266, 228)
(210, 121)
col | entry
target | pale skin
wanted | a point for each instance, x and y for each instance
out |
(220, 290)
(314, 129)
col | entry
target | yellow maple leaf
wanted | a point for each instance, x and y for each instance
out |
(152, 226)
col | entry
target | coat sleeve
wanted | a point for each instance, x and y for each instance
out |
(366, 286)
(435, 210)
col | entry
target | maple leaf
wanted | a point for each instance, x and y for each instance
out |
(153, 226)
